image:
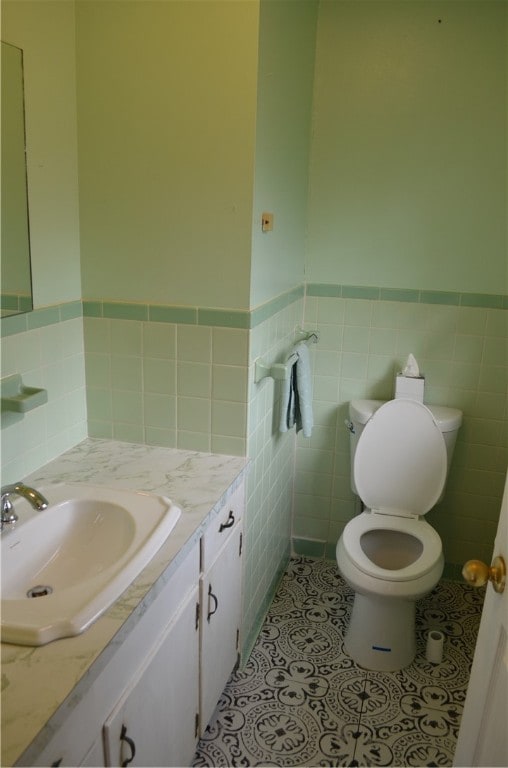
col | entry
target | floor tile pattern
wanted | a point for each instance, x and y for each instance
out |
(301, 701)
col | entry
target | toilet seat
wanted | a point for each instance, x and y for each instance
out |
(419, 529)
(400, 462)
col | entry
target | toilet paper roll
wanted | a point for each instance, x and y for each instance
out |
(434, 652)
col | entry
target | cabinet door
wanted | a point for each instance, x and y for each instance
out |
(221, 528)
(155, 722)
(221, 595)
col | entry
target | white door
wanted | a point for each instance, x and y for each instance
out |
(483, 732)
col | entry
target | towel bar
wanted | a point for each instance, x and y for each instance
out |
(282, 371)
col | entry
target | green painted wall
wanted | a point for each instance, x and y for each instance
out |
(181, 150)
(408, 174)
(166, 116)
(287, 35)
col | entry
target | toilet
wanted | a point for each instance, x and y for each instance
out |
(400, 456)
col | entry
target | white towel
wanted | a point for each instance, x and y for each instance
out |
(296, 399)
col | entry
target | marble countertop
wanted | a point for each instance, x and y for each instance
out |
(40, 685)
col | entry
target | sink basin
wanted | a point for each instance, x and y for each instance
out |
(63, 567)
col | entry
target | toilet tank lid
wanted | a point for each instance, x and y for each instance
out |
(447, 419)
(362, 410)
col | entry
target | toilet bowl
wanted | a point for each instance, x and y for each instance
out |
(389, 554)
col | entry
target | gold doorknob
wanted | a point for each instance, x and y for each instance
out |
(477, 573)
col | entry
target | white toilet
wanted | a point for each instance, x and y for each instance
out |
(400, 455)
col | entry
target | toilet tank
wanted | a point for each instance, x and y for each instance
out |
(360, 411)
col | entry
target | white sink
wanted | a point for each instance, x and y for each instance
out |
(63, 567)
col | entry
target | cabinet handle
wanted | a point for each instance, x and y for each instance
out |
(130, 742)
(229, 523)
(213, 597)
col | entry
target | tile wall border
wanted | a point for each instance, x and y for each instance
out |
(238, 318)
(38, 318)
(448, 298)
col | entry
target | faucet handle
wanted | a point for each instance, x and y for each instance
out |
(8, 513)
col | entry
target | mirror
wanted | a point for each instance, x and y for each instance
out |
(16, 278)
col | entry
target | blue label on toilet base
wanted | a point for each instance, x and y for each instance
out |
(380, 648)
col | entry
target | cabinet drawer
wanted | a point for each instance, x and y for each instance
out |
(222, 527)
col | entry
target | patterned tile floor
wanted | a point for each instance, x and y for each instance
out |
(301, 701)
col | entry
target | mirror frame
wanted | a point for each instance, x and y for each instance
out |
(17, 282)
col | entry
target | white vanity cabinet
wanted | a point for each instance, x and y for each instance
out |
(221, 596)
(161, 684)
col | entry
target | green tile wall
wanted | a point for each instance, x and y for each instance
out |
(184, 377)
(270, 481)
(461, 346)
(50, 355)
(169, 384)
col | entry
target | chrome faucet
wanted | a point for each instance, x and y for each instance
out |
(36, 499)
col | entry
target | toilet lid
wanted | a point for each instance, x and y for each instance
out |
(400, 461)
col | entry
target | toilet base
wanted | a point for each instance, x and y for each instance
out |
(381, 634)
